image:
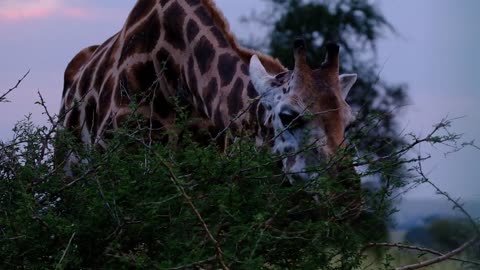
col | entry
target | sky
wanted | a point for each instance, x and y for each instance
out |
(434, 51)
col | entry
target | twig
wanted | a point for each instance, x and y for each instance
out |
(449, 198)
(48, 135)
(3, 97)
(417, 141)
(65, 252)
(44, 106)
(188, 199)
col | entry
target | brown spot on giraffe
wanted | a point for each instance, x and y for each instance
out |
(210, 91)
(173, 20)
(221, 40)
(70, 94)
(169, 69)
(204, 16)
(192, 30)
(164, 2)
(193, 2)
(244, 69)
(204, 54)
(227, 66)
(105, 66)
(105, 98)
(192, 78)
(235, 101)
(90, 118)
(86, 79)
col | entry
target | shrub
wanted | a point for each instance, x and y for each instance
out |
(141, 205)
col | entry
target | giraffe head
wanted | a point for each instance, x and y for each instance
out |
(307, 110)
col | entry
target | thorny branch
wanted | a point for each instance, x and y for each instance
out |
(456, 203)
(51, 131)
(431, 138)
(3, 97)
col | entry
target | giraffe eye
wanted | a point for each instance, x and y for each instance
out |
(291, 119)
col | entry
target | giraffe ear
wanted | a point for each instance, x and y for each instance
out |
(262, 81)
(346, 83)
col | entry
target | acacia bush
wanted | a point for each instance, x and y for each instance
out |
(144, 205)
(125, 208)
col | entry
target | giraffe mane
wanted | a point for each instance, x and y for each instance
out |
(272, 65)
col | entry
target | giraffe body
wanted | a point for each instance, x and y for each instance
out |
(183, 49)
(166, 49)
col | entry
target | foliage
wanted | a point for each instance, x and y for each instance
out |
(142, 205)
(124, 209)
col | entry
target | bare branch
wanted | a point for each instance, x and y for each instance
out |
(48, 135)
(45, 109)
(3, 97)
(450, 199)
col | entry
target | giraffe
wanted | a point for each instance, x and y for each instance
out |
(184, 48)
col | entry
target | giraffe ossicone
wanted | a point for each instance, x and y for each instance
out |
(184, 48)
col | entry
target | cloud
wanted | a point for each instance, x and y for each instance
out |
(23, 10)
(77, 12)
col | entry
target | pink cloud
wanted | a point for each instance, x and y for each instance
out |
(18, 11)
(77, 12)
(24, 14)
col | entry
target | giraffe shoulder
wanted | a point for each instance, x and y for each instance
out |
(78, 61)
